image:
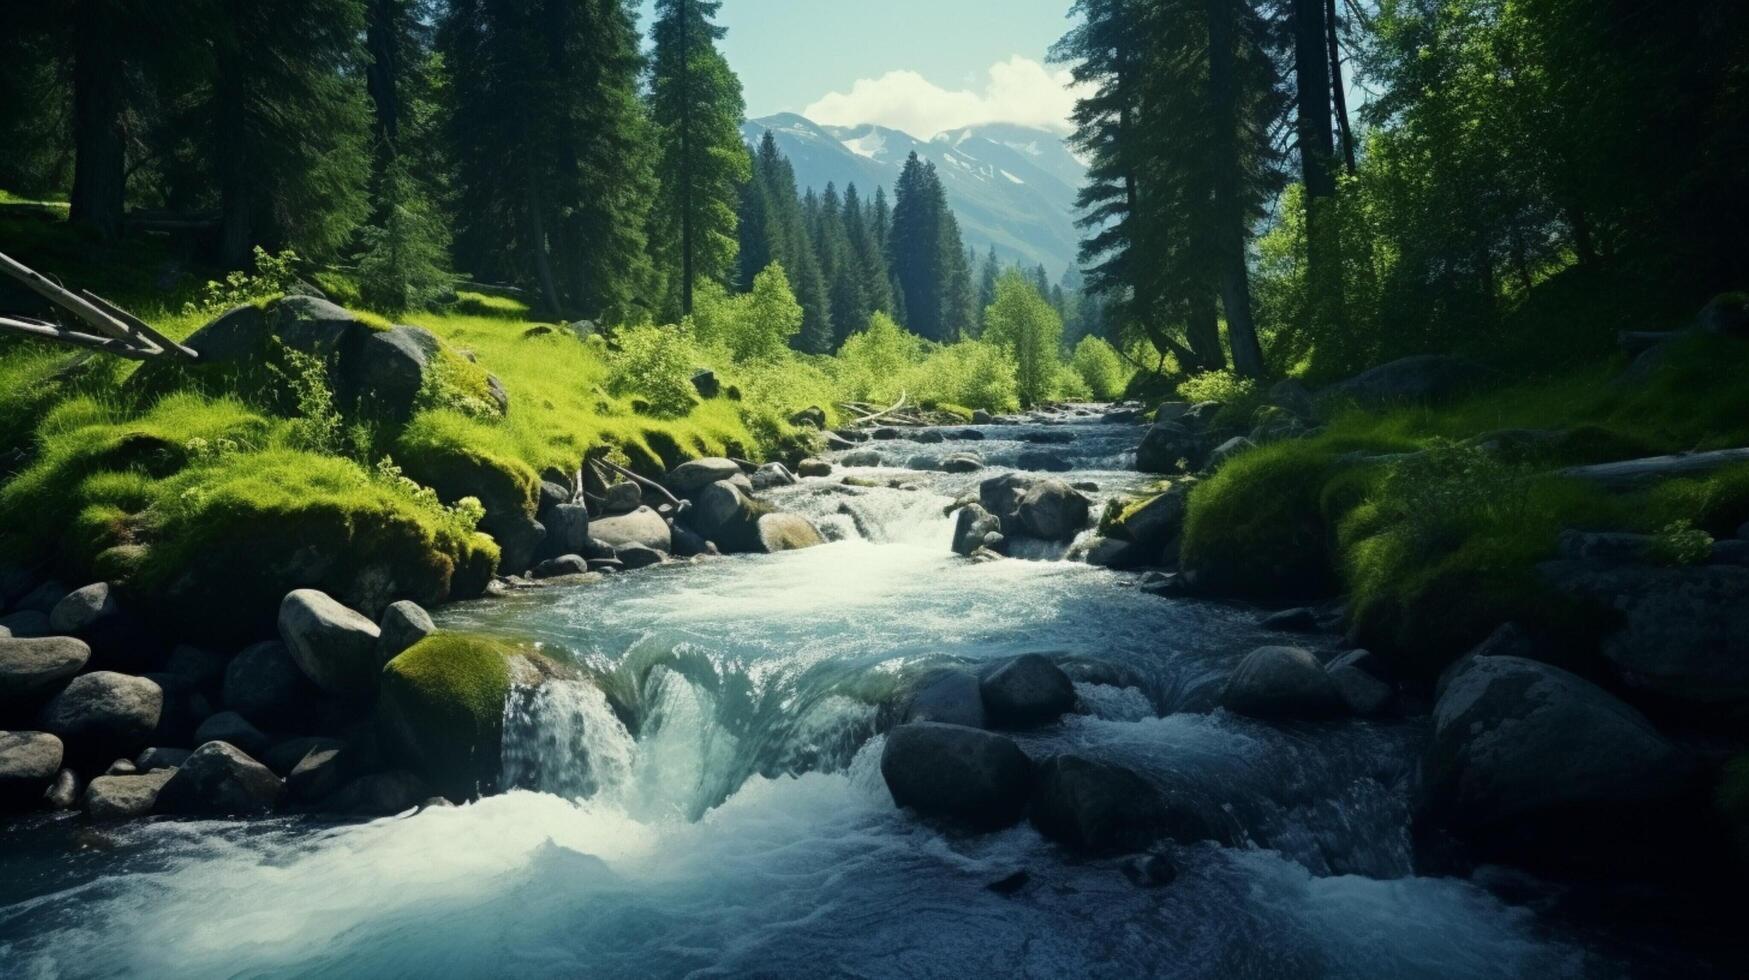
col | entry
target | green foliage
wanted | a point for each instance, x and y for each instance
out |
(1681, 543)
(406, 257)
(1097, 362)
(756, 326)
(655, 364)
(1219, 386)
(1260, 525)
(318, 424)
(274, 275)
(873, 363)
(1023, 323)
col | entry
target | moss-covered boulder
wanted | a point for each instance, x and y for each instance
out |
(441, 711)
(1259, 527)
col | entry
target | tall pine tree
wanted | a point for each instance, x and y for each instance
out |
(697, 105)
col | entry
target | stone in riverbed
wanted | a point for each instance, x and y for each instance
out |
(861, 457)
(1514, 740)
(787, 532)
(84, 608)
(24, 624)
(159, 758)
(1026, 691)
(264, 684)
(567, 527)
(974, 528)
(1043, 460)
(124, 797)
(1053, 511)
(621, 498)
(728, 516)
(219, 779)
(32, 670)
(694, 475)
(320, 773)
(962, 463)
(772, 475)
(29, 762)
(560, 566)
(104, 714)
(642, 527)
(1298, 620)
(403, 624)
(951, 697)
(635, 556)
(1170, 447)
(956, 773)
(334, 646)
(813, 467)
(234, 729)
(63, 792)
(1001, 495)
(379, 794)
(199, 669)
(1096, 807)
(1363, 693)
(1281, 682)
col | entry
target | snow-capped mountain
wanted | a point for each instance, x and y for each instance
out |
(1010, 186)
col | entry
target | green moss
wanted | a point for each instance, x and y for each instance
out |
(1258, 528)
(441, 709)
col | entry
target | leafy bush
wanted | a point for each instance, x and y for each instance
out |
(274, 275)
(1681, 543)
(1218, 386)
(873, 363)
(1099, 365)
(656, 364)
(1023, 323)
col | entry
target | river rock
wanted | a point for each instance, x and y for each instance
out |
(32, 670)
(1026, 691)
(974, 528)
(43, 598)
(552, 494)
(83, 608)
(1422, 379)
(1095, 807)
(24, 624)
(1104, 552)
(63, 791)
(635, 556)
(787, 532)
(1301, 619)
(265, 685)
(104, 714)
(232, 728)
(1514, 739)
(124, 797)
(220, 779)
(982, 417)
(320, 773)
(563, 565)
(1156, 521)
(1235, 446)
(1683, 632)
(773, 475)
(1044, 461)
(861, 457)
(621, 498)
(286, 754)
(197, 669)
(814, 467)
(813, 417)
(952, 697)
(160, 758)
(1053, 511)
(379, 794)
(334, 646)
(886, 433)
(568, 530)
(1363, 693)
(641, 527)
(694, 475)
(403, 624)
(962, 463)
(956, 773)
(29, 762)
(519, 538)
(393, 366)
(688, 543)
(1001, 496)
(723, 513)
(1281, 682)
(1169, 447)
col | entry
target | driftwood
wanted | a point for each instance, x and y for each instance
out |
(115, 330)
(1629, 474)
(642, 481)
(866, 419)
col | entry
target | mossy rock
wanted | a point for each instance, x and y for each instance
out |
(1258, 528)
(441, 711)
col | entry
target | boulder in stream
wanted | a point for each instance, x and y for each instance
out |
(694, 475)
(1026, 691)
(33, 669)
(782, 531)
(642, 526)
(1281, 682)
(124, 797)
(102, 715)
(950, 696)
(1053, 511)
(29, 762)
(974, 528)
(336, 647)
(959, 774)
(1095, 807)
(220, 779)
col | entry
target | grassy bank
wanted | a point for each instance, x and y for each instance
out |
(1431, 519)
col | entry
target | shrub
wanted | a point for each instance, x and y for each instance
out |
(1258, 528)
(1023, 323)
(274, 275)
(1100, 367)
(656, 364)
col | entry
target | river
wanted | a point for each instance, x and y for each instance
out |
(725, 814)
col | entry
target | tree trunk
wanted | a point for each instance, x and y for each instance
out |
(686, 188)
(1235, 278)
(1203, 331)
(537, 245)
(1338, 92)
(383, 71)
(99, 156)
(230, 141)
(1317, 158)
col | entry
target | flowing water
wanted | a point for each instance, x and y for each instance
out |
(711, 803)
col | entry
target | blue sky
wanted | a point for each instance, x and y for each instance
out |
(918, 65)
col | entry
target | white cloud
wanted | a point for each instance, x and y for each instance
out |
(1018, 90)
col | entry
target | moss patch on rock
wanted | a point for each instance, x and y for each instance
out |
(441, 711)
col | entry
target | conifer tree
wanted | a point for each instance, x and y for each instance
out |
(697, 104)
(871, 262)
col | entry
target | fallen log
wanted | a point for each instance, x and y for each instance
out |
(1629, 474)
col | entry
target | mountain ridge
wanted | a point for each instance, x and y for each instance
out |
(1012, 187)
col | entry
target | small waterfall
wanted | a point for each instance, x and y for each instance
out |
(563, 738)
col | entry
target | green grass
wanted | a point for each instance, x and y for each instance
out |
(1436, 552)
